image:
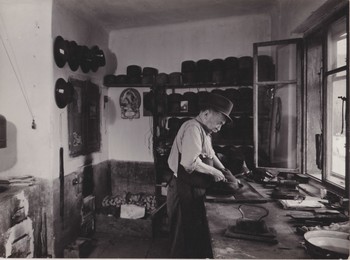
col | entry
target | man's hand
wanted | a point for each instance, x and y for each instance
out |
(218, 175)
(231, 179)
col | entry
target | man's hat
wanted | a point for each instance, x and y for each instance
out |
(220, 104)
(60, 51)
(64, 93)
(73, 55)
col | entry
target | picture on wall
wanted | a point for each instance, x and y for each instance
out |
(130, 102)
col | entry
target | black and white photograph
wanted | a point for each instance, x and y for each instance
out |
(170, 129)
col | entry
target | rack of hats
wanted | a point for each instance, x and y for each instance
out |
(84, 93)
(69, 52)
(88, 59)
(135, 76)
(178, 96)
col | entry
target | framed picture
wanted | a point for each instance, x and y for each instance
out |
(130, 102)
(84, 119)
(184, 106)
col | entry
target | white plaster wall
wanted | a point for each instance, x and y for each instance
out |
(289, 14)
(84, 32)
(25, 28)
(129, 140)
(165, 47)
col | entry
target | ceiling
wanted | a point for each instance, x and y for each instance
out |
(121, 14)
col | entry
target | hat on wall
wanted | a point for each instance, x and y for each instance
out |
(188, 69)
(60, 51)
(149, 75)
(73, 55)
(175, 79)
(85, 58)
(98, 56)
(245, 70)
(204, 71)
(174, 103)
(64, 92)
(220, 104)
(162, 79)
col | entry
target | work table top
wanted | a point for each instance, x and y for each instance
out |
(221, 215)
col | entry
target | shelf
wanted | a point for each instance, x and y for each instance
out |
(232, 143)
(184, 86)
(114, 85)
(234, 114)
(207, 85)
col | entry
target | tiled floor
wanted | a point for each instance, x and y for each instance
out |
(109, 245)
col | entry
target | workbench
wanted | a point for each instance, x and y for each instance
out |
(221, 215)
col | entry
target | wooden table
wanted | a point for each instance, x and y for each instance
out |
(221, 215)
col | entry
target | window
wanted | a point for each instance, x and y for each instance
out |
(318, 124)
(335, 89)
(325, 103)
(277, 84)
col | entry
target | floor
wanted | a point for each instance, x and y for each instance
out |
(111, 245)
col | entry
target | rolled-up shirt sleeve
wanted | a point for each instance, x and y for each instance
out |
(191, 148)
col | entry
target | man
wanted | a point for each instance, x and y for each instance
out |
(196, 168)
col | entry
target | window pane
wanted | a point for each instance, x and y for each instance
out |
(337, 44)
(314, 107)
(336, 94)
(277, 62)
(277, 126)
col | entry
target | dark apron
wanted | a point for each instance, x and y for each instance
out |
(191, 191)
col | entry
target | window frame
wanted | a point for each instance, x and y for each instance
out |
(322, 29)
(298, 81)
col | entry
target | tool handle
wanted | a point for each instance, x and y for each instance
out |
(265, 209)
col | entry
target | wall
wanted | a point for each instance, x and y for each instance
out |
(285, 17)
(25, 222)
(289, 14)
(165, 47)
(27, 38)
(73, 27)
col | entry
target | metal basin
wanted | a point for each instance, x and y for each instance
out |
(328, 244)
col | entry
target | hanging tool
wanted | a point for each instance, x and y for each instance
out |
(343, 99)
(319, 153)
(61, 177)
